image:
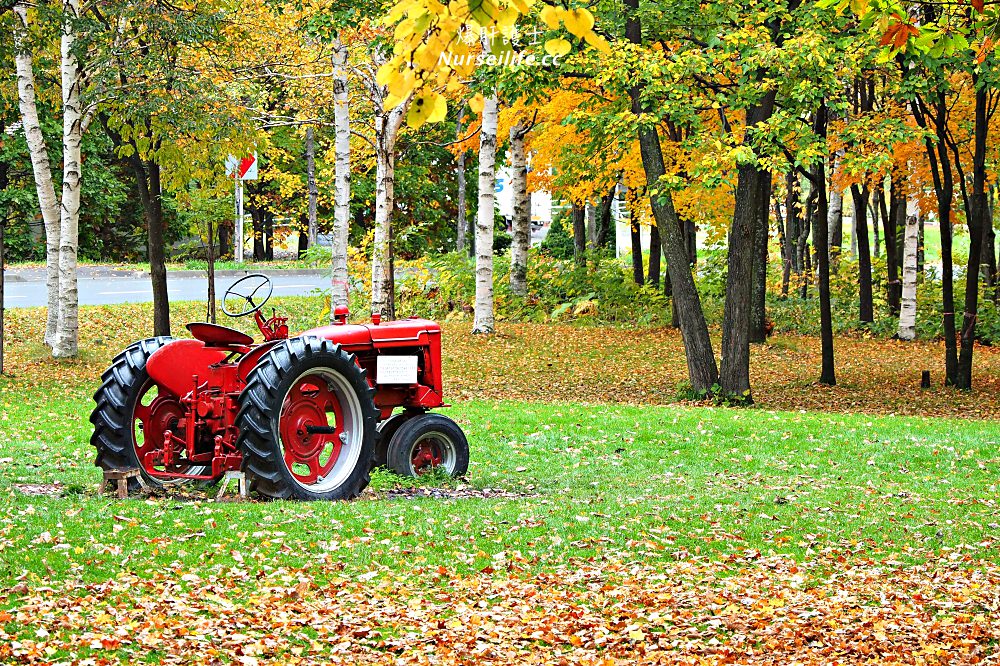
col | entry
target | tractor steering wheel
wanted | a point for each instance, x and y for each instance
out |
(240, 299)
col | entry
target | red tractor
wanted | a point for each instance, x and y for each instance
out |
(305, 417)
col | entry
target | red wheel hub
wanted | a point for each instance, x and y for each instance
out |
(427, 454)
(311, 444)
(162, 414)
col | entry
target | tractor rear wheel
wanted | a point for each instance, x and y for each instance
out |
(426, 442)
(131, 415)
(307, 422)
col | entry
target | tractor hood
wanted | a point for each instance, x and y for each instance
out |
(400, 332)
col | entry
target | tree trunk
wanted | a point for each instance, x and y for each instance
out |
(522, 212)
(758, 305)
(654, 256)
(223, 239)
(635, 235)
(866, 312)
(820, 240)
(605, 227)
(803, 271)
(153, 206)
(977, 220)
(735, 370)
(67, 327)
(485, 218)
(342, 180)
(579, 235)
(790, 238)
(386, 129)
(269, 236)
(312, 228)
(835, 223)
(894, 220)
(462, 223)
(908, 299)
(944, 188)
(878, 204)
(702, 369)
(3, 225)
(41, 168)
(210, 258)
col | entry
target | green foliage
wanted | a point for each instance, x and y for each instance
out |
(558, 242)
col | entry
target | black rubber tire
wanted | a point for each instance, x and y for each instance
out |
(116, 400)
(386, 429)
(419, 427)
(260, 406)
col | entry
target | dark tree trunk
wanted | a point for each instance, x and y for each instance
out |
(944, 187)
(4, 216)
(893, 220)
(147, 176)
(269, 236)
(3, 224)
(921, 219)
(878, 206)
(578, 213)
(804, 274)
(758, 307)
(990, 246)
(691, 240)
(303, 243)
(259, 249)
(820, 240)
(790, 237)
(977, 219)
(605, 228)
(654, 256)
(866, 311)
(210, 258)
(224, 240)
(635, 235)
(702, 369)
(735, 371)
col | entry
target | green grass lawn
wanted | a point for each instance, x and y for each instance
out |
(649, 484)
(586, 532)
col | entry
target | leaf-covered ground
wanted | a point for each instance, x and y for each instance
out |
(615, 531)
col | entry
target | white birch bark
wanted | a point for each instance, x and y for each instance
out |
(38, 152)
(312, 232)
(462, 222)
(342, 176)
(522, 212)
(387, 126)
(835, 216)
(484, 220)
(908, 302)
(67, 327)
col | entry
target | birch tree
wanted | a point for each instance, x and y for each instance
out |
(908, 302)
(485, 218)
(342, 176)
(388, 119)
(61, 217)
(522, 210)
(74, 123)
(38, 151)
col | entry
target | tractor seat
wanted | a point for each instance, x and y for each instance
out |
(214, 335)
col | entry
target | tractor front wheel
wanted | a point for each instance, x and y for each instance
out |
(426, 442)
(307, 422)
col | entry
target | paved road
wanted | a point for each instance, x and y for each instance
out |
(26, 291)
